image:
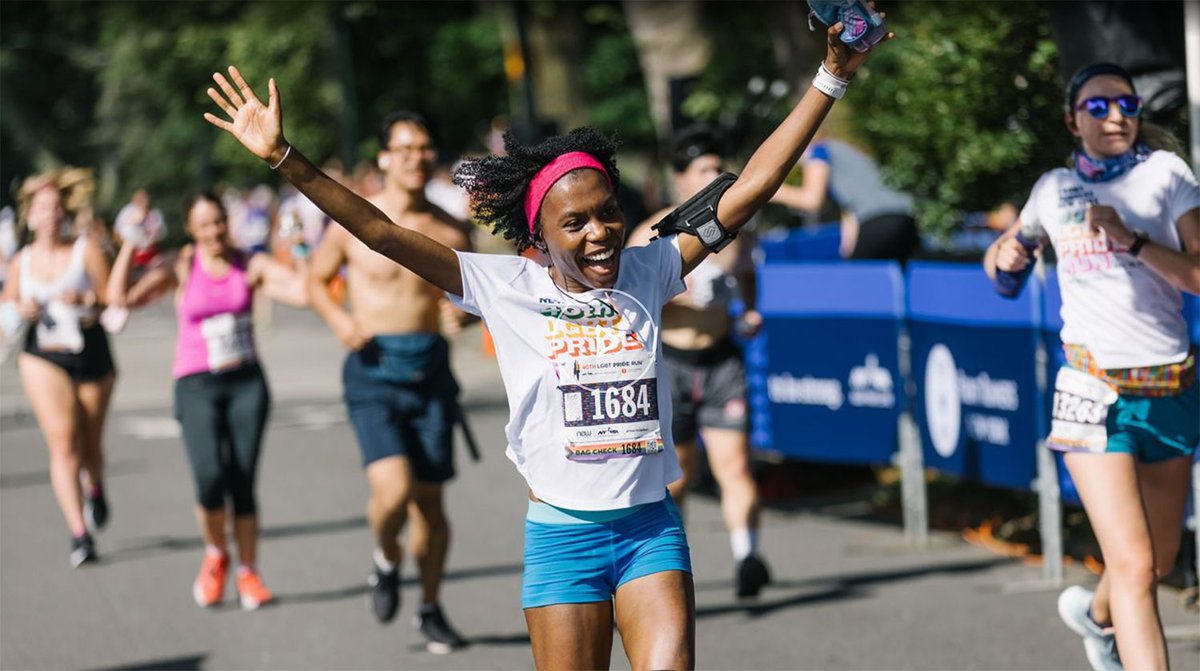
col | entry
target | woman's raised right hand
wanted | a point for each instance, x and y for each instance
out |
(258, 127)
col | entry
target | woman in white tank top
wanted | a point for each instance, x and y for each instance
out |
(65, 362)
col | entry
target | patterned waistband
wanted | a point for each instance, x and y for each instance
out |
(1164, 380)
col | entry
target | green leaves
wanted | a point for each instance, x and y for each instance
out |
(963, 109)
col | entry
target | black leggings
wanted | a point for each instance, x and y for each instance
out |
(223, 417)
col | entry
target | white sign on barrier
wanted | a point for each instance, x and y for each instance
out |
(943, 407)
(871, 385)
(807, 390)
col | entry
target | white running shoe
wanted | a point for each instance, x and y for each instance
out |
(1099, 643)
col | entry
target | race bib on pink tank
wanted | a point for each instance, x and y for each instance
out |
(228, 341)
(604, 348)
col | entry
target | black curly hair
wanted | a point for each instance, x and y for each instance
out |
(497, 184)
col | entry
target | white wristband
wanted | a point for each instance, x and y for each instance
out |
(289, 151)
(830, 84)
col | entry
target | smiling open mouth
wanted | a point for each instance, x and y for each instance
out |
(602, 264)
(600, 257)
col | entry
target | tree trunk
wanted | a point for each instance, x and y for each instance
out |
(672, 44)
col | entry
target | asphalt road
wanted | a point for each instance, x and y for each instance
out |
(847, 594)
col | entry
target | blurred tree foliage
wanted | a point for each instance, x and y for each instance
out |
(740, 90)
(122, 88)
(964, 109)
(612, 79)
(443, 59)
(48, 89)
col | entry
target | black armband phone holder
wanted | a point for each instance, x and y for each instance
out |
(698, 216)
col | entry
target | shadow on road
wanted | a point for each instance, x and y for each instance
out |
(762, 607)
(360, 589)
(42, 477)
(836, 586)
(500, 639)
(318, 596)
(154, 546)
(181, 663)
(475, 572)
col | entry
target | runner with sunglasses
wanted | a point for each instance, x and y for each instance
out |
(1125, 223)
(576, 343)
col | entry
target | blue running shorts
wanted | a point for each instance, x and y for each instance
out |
(1155, 429)
(574, 556)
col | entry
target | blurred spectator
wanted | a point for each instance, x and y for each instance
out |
(367, 179)
(142, 226)
(444, 193)
(295, 206)
(977, 231)
(8, 240)
(877, 221)
(251, 232)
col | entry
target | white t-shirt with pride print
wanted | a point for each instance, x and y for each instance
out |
(589, 408)
(1123, 312)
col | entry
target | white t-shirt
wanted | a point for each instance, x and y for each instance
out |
(589, 408)
(1123, 312)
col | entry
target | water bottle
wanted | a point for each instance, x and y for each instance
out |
(1009, 284)
(862, 27)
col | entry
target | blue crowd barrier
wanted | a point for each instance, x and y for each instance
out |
(820, 243)
(1191, 312)
(1055, 358)
(978, 403)
(824, 374)
(830, 337)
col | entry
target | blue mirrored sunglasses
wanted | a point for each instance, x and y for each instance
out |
(1130, 106)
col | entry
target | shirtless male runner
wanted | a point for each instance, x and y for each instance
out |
(400, 394)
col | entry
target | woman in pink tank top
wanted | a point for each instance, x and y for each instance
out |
(221, 396)
(50, 308)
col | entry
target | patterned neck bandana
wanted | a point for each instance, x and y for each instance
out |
(1094, 170)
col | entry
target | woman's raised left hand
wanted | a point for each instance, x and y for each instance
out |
(258, 127)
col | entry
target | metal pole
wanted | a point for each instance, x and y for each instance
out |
(912, 484)
(1046, 483)
(1191, 34)
(1196, 507)
(910, 460)
(1049, 515)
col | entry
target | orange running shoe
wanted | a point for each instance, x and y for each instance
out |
(210, 584)
(251, 590)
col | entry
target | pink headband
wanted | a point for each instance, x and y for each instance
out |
(551, 173)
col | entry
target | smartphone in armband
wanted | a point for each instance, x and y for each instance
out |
(698, 216)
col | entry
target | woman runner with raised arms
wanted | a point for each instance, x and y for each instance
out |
(576, 343)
